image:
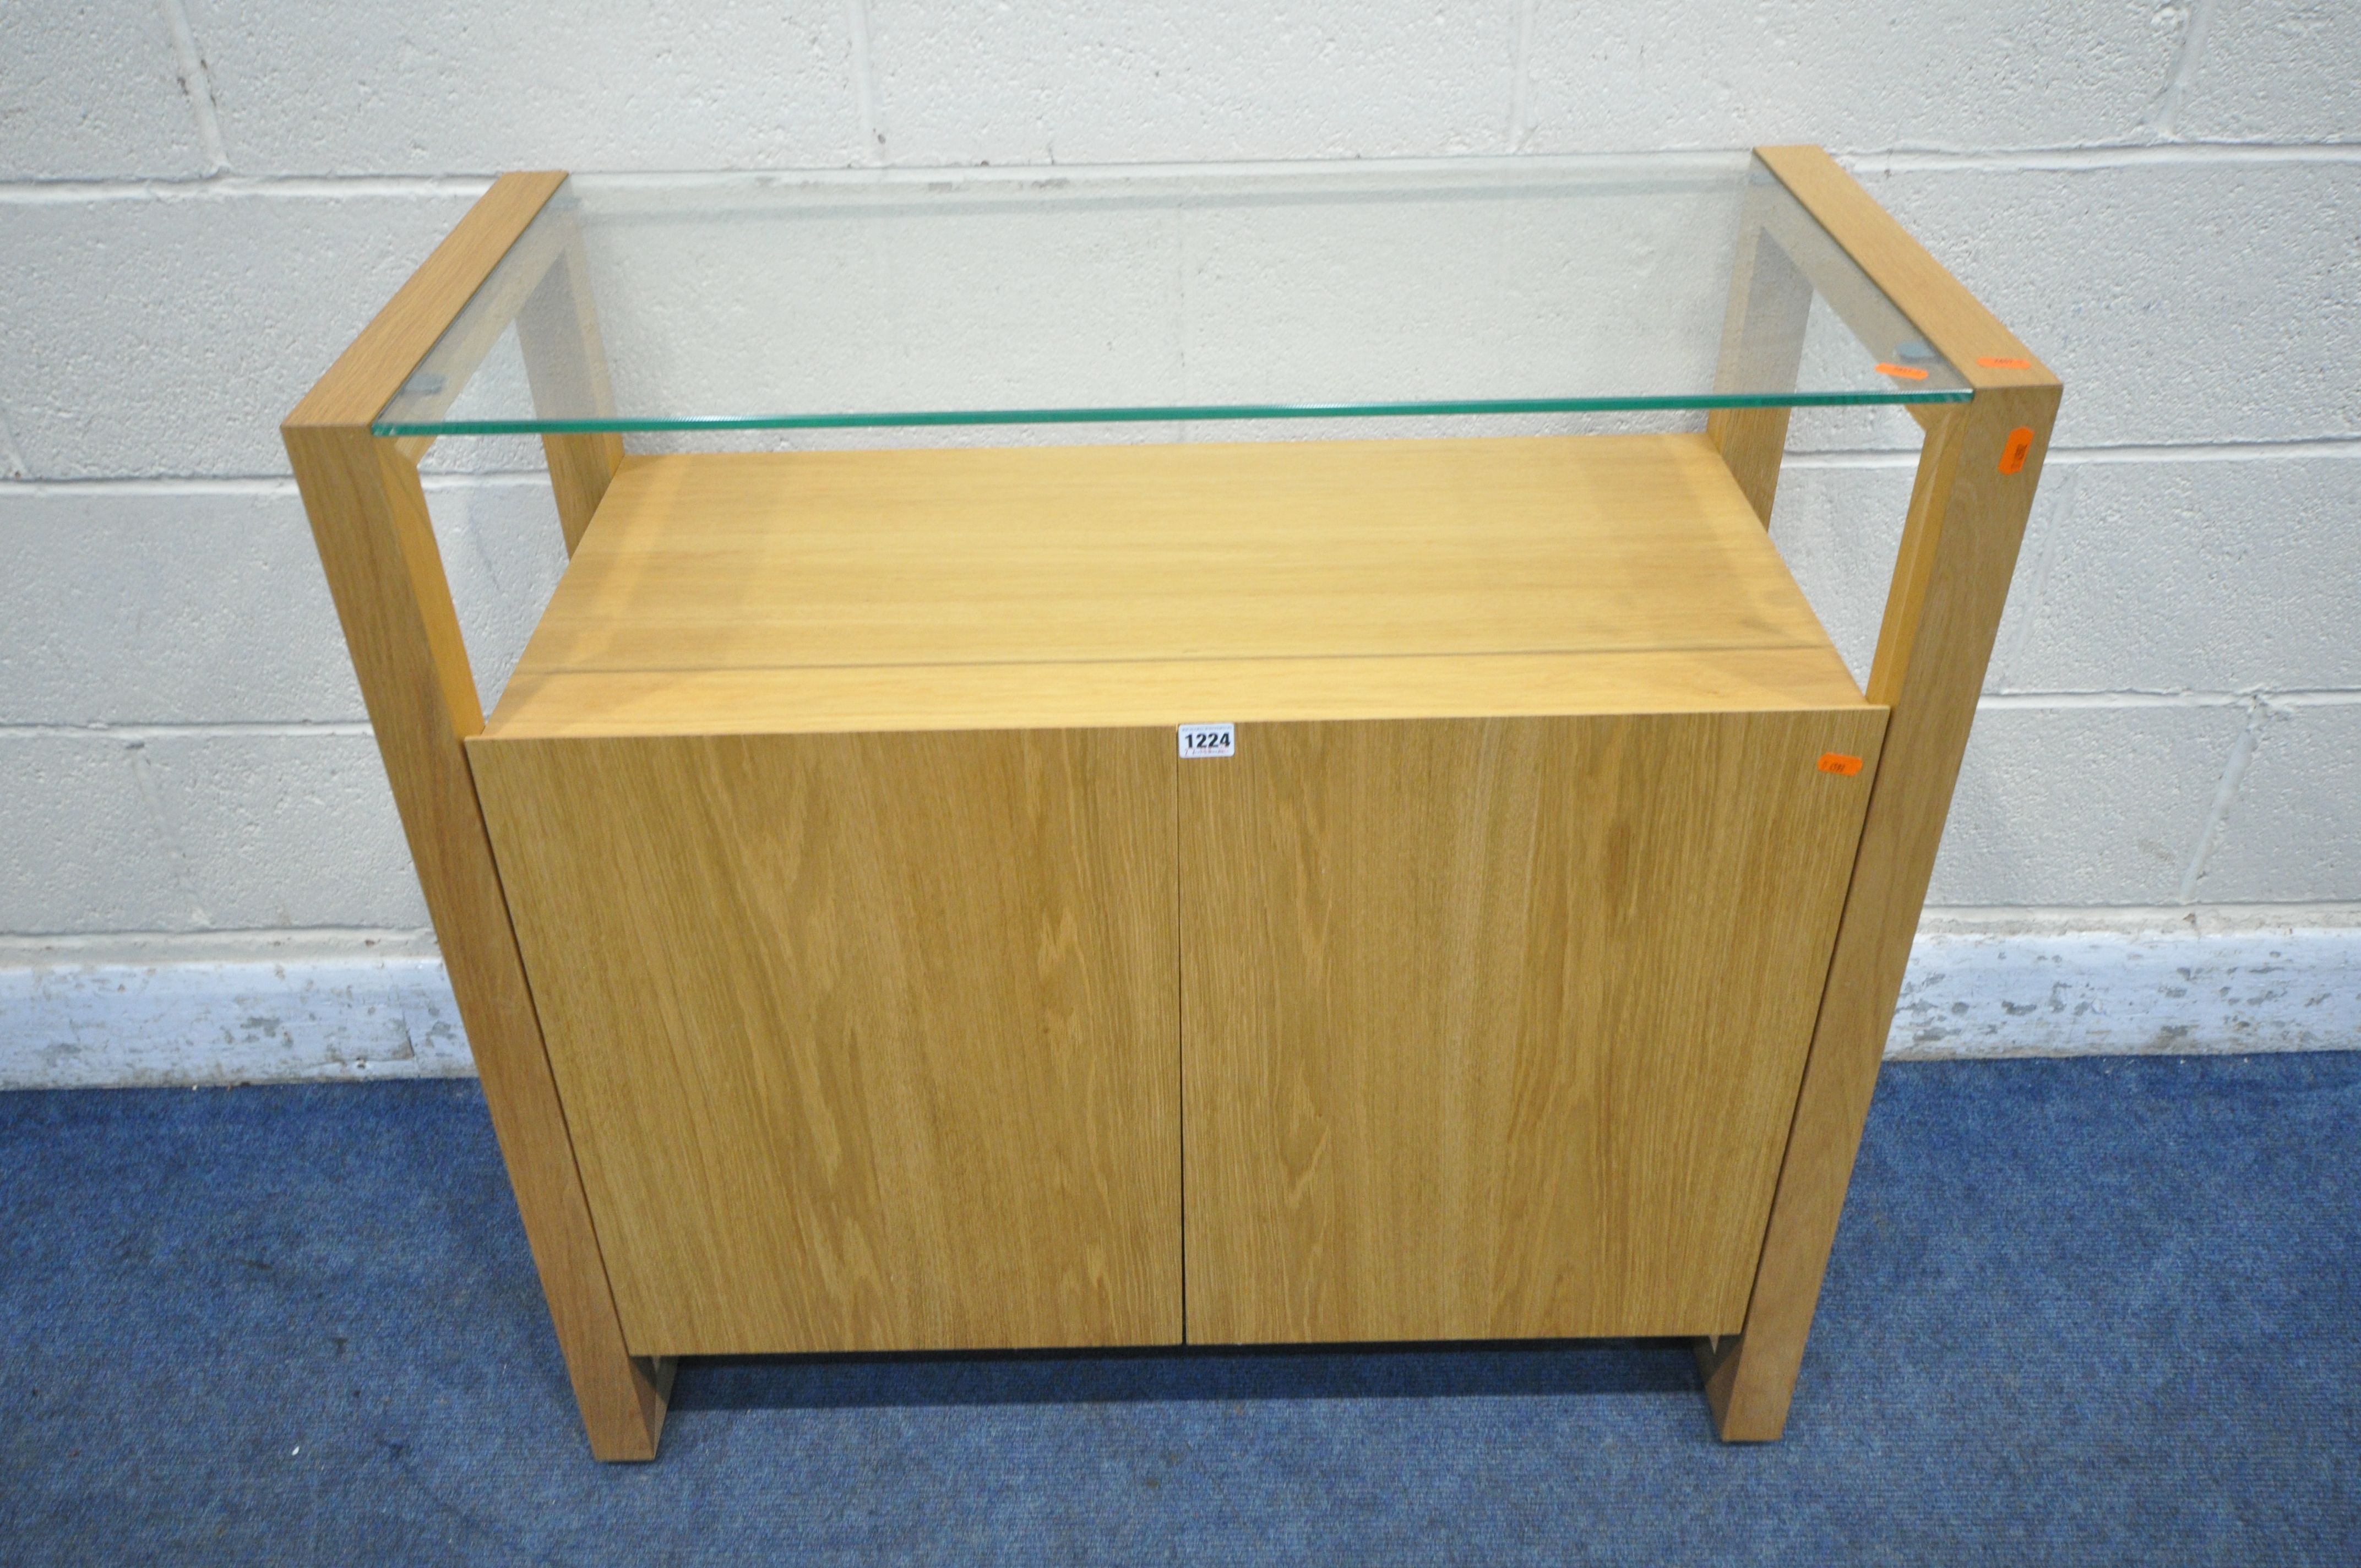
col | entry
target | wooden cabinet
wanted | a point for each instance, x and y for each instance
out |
(857, 959)
(878, 1033)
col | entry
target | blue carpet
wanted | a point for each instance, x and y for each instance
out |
(2081, 1312)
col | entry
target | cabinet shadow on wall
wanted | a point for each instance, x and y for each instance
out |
(1467, 1369)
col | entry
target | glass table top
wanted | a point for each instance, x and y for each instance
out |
(898, 297)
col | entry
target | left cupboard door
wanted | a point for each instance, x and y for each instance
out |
(865, 1042)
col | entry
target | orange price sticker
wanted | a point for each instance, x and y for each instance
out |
(2012, 455)
(1908, 372)
(1838, 762)
(2003, 362)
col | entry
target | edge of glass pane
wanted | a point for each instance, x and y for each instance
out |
(1174, 414)
(1535, 169)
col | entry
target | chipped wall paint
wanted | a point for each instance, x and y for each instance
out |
(1967, 994)
(80, 1025)
(2108, 993)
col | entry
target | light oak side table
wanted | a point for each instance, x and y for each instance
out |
(947, 873)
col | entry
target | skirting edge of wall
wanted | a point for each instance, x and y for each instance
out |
(67, 1022)
(2190, 991)
(80, 1025)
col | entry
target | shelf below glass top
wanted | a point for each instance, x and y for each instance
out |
(1483, 286)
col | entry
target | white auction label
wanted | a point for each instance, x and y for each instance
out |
(1208, 741)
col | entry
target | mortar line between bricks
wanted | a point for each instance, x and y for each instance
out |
(2164, 110)
(332, 187)
(2077, 159)
(238, 186)
(2225, 796)
(247, 484)
(99, 729)
(2305, 696)
(1521, 80)
(864, 82)
(196, 85)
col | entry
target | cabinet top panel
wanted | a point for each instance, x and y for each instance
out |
(1082, 585)
(1036, 296)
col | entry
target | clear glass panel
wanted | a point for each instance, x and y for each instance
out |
(998, 297)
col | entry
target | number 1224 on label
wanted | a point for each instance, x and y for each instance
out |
(1208, 741)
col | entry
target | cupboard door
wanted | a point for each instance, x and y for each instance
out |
(1493, 1027)
(865, 1042)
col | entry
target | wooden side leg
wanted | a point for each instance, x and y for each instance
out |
(369, 518)
(1974, 489)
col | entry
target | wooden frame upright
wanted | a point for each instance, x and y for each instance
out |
(368, 516)
(1977, 473)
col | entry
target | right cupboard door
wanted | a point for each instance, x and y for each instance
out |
(1492, 1028)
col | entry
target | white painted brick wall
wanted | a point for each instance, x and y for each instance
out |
(1958, 75)
(2292, 835)
(200, 201)
(1036, 83)
(2081, 806)
(91, 90)
(2185, 303)
(166, 604)
(2275, 73)
(451, 85)
(155, 331)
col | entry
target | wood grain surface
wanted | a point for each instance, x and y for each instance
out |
(1959, 552)
(369, 517)
(919, 567)
(828, 699)
(867, 1042)
(1494, 1028)
(1950, 583)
